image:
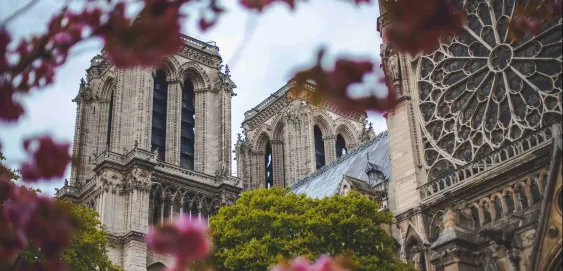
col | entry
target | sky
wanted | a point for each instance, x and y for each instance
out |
(271, 47)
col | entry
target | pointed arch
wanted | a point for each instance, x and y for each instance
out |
(346, 130)
(436, 226)
(157, 267)
(324, 122)
(263, 136)
(108, 86)
(191, 70)
(171, 67)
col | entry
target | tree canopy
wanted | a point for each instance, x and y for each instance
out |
(267, 226)
(87, 250)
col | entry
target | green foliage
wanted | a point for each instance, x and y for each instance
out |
(4, 170)
(88, 248)
(267, 226)
(89, 242)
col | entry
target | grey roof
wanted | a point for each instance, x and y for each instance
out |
(326, 181)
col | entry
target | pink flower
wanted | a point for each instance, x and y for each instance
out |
(527, 25)
(49, 160)
(259, 5)
(332, 85)
(145, 42)
(417, 26)
(186, 240)
(324, 263)
(10, 110)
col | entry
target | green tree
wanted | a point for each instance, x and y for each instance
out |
(267, 226)
(88, 248)
(4, 170)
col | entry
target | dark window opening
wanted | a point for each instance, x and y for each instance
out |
(159, 105)
(536, 196)
(523, 198)
(509, 199)
(187, 143)
(110, 119)
(340, 146)
(475, 215)
(319, 147)
(498, 208)
(486, 213)
(268, 164)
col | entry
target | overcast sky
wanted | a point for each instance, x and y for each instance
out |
(280, 43)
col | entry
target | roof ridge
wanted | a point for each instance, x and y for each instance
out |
(359, 148)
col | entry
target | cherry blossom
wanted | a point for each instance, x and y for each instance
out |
(333, 85)
(186, 239)
(324, 263)
(49, 159)
(416, 26)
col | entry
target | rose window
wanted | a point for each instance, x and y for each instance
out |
(479, 90)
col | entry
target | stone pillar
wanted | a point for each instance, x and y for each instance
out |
(134, 253)
(173, 121)
(330, 149)
(455, 249)
(278, 163)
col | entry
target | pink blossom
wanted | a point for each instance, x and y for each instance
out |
(185, 239)
(527, 25)
(324, 263)
(49, 160)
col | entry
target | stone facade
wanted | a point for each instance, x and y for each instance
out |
(286, 121)
(472, 144)
(130, 182)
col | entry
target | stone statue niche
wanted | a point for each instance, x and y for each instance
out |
(415, 255)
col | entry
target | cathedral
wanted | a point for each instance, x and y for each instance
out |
(470, 164)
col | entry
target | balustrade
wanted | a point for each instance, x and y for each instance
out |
(485, 163)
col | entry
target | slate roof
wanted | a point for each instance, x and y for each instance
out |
(326, 181)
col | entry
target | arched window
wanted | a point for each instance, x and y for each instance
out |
(486, 213)
(522, 197)
(340, 146)
(319, 147)
(509, 199)
(110, 118)
(535, 190)
(157, 267)
(159, 104)
(187, 136)
(498, 208)
(268, 165)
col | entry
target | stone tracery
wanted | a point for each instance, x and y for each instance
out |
(479, 91)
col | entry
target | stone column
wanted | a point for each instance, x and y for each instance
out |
(455, 249)
(330, 149)
(278, 163)
(173, 122)
(134, 253)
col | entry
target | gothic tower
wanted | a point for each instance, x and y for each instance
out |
(153, 143)
(287, 138)
(472, 141)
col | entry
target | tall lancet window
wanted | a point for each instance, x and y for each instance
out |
(159, 103)
(319, 147)
(188, 126)
(268, 165)
(110, 119)
(340, 146)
